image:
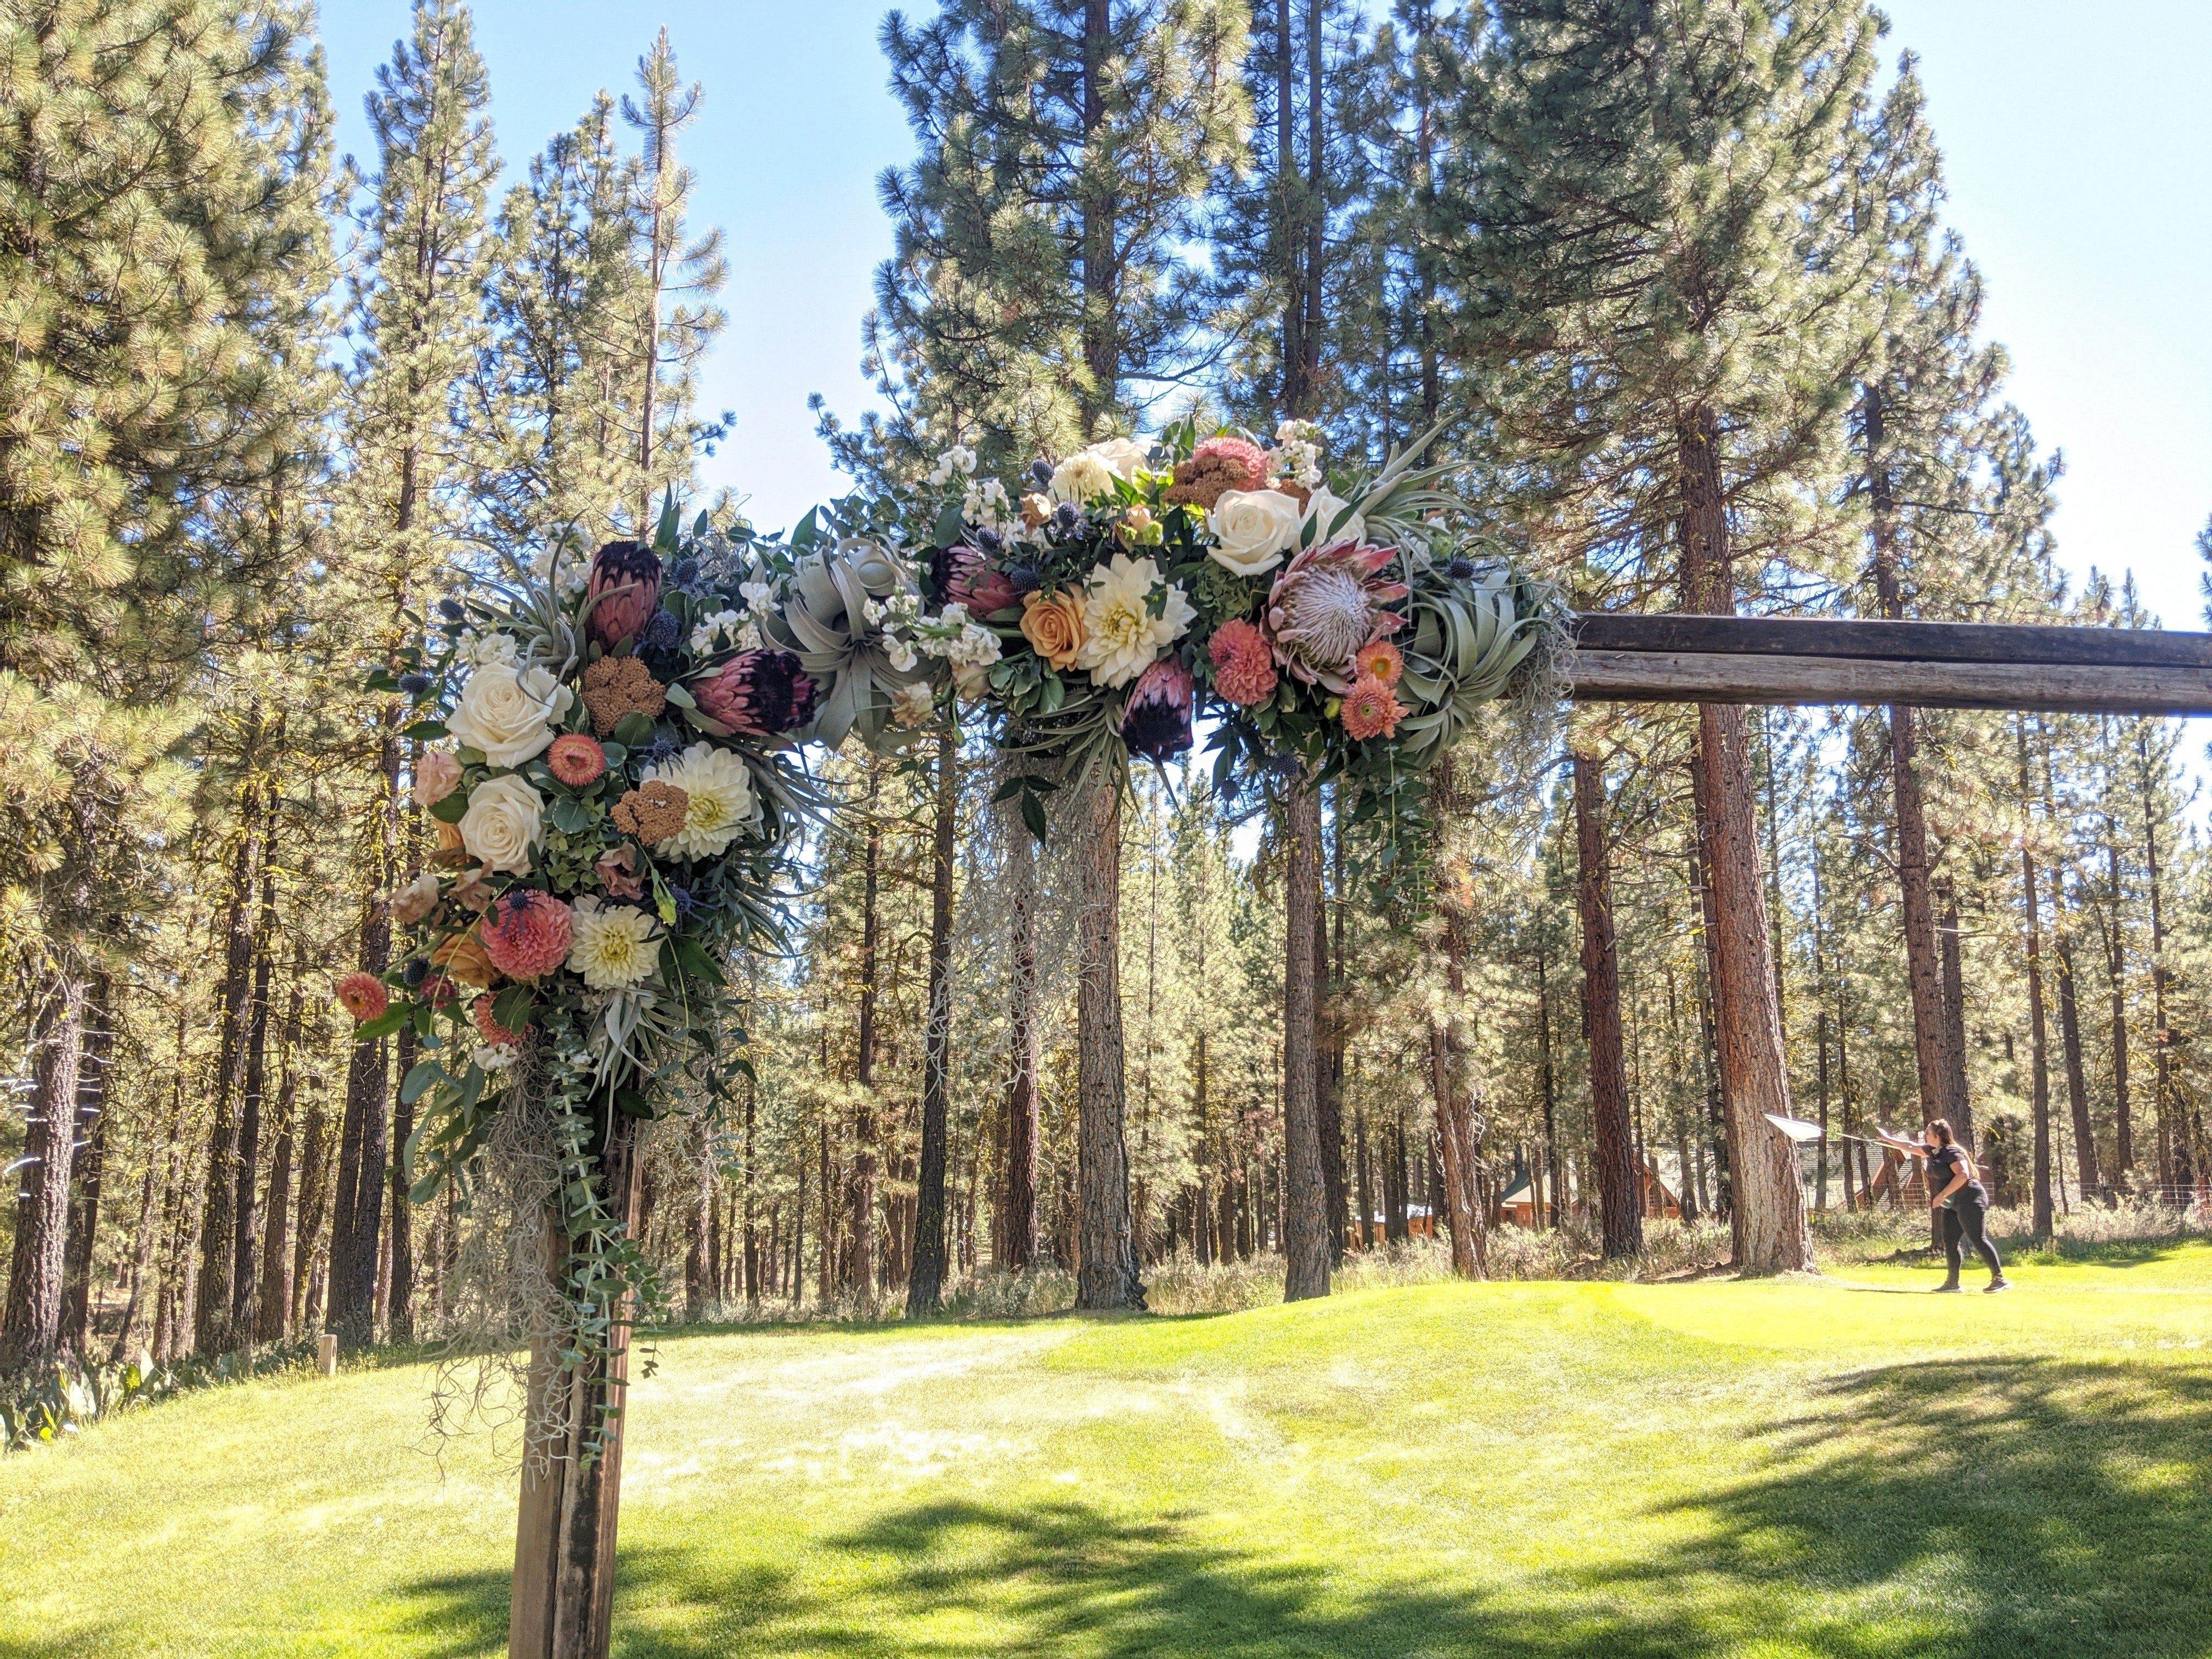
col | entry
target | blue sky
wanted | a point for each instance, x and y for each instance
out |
(2079, 149)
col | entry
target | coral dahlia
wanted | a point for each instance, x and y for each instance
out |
(526, 933)
(362, 995)
(576, 759)
(489, 1029)
(1371, 709)
(1243, 666)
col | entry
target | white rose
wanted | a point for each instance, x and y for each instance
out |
(509, 715)
(1122, 457)
(505, 825)
(1081, 476)
(1253, 529)
(1334, 518)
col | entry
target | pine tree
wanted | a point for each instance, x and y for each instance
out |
(1667, 298)
(159, 170)
(417, 307)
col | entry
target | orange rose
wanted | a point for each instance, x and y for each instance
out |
(462, 957)
(1054, 626)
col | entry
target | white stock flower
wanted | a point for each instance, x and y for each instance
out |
(900, 653)
(505, 825)
(719, 801)
(1253, 529)
(493, 1057)
(613, 947)
(508, 714)
(486, 650)
(1121, 636)
(726, 623)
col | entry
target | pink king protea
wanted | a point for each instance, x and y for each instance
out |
(1328, 604)
(972, 581)
(760, 693)
(625, 583)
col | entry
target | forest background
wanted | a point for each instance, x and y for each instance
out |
(431, 357)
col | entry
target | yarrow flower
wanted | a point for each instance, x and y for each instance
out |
(363, 995)
(576, 759)
(526, 934)
(1243, 666)
(613, 948)
(1371, 709)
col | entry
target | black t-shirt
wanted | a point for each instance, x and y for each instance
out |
(1944, 1164)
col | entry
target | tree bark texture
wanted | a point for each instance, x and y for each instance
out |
(2069, 1040)
(1106, 1264)
(90, 1132)
(32, 1323)
(213, 1313)
(564, 1547)
(1306, 1243)
(926, 1277)
(863, 1193)
(1019, 1227)
(273, 1319)
(1621, 1211)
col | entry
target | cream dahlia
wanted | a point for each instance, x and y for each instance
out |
(1121, 636)
(613, 948)
(719, 803)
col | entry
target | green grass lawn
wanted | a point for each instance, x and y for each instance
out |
(1847, 1468)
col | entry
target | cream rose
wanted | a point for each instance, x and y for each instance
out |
(509, 714)
(1253, 529)
(1122, 457)
(436, 773)
(1334, 518)
(505, 825)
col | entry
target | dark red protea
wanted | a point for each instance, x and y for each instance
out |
(973, 582)
(1156, 722)
(761, 693)
(623, 592)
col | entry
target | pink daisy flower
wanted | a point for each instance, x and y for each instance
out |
(526, 934)
(363, 996)
(1382, 660)
(576, 759)
(1370, 709)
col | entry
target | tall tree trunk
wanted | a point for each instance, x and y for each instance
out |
(358, 1212)
(213, 1329)
(1954, 1019)
(245, 1272)
(2038, 1050)
(1548, 1087)
(2174, 1173)
(2115, 969)
(1289, 230)
(1099, 210)
(1306, 1250)
(699, 1287)
(863, 1193)
(31, 1326)
(274, 1318)
(1620, 1212)
(926, 1280)
(81, 1263)
(2070, 1039)
(318, 1187)
(1106, 1259)
(1020, 1226)
(1328, 1049)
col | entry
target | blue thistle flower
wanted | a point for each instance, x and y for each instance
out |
(451, 610)
(662, 632)
(988, 540)
(1066, 517)
(414, 684)
(1040, 473)
(685, 573)
(416, 970)
(1024, 579)
(661, 748)
(1459, 569)
(686, 904)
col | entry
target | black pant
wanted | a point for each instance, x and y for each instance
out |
(1967, 1219)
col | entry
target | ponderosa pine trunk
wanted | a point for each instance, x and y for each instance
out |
(1106, 1259)
(1954, 1017)
(2038, 1050)
(273, 1320)
(2069, 1044)
(925, 1284)
(1019, 1228)
(246, 1198)
(31, 1326)
(2116, 972)
(357, 1208)
(1305, 1191)
(81, 1259)
(1621, 1211)
(1765, 1187)
(1457, 1135)
(213, 1329)
(863, 1190)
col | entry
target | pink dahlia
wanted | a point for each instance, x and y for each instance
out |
(1328, 606)
(1155, 720)
(576, 759)
(1243, 666)
(1371, 709)
(971, 581)
(760, 693)
(526, 933)
(1383, 661)
(363, 996)
(489, 1029)
(624, 591)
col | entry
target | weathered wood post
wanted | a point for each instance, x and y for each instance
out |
(564, 1535)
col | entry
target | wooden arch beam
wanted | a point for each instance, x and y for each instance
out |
(1631, 657)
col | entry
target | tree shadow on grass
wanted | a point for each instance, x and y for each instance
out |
(2014, 1508)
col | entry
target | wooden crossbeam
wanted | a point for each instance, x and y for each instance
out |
(1675, 658)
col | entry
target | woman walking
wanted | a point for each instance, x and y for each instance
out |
(1955, 1189)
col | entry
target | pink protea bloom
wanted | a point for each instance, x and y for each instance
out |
(1155, 720)
(526, 933)
(625, 583)
(1371, 709)
(1328, 604)
(760, 693)
(1243, 666)
(1382, 659)
(489, 1029)
(972, 581)
(363, 995)
(576, 759)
